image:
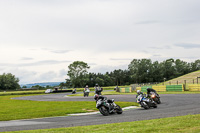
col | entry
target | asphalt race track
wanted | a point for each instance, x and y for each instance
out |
(172, 105)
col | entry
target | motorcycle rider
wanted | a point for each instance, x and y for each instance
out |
(149, 90)
(74, 91)
(98, 89)
(97, 97)
(86, 91)
(139, 92)
(110, 101)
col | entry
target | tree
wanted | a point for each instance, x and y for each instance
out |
(168, 68)
(37, 87)
(140, 70)
(195, 66)
(78, 73)
(9, 82)
(24, 86)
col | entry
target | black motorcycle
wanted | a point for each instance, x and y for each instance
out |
(74, 91)
(155, 97)
(146, 103)
(107, 107)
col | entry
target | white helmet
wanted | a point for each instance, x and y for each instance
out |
(138, 92)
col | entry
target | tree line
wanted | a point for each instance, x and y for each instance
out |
(139, 71)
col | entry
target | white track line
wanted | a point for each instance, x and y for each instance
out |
(92, 113)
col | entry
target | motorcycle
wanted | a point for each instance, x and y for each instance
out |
(86, 93)
(74, 91)
(155, 97)
(107, 107)
(146, 103)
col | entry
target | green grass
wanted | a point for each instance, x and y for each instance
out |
(180, 124)
(11, 109)
(4, 93)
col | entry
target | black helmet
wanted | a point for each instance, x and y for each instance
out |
(96, 96)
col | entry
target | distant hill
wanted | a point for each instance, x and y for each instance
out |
(41, 84)
(189, 78)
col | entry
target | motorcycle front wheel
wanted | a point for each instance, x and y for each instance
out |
(145, 105)
(119, 109)
(158, 101)
(104, 111)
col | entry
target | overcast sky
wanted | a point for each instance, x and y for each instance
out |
(40, 38)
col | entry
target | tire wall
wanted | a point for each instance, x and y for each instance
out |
(174, 88)
(138, 88)
(126, 90)
(144, 88)
(159, 88)
(194, 87)
(164, 88)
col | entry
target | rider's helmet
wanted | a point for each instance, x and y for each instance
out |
(96, 85)
(148, 90)
(86, 86)
(96, 96)
(138, 92)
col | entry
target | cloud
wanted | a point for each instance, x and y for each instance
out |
(161, 47)
(92, 64)
(48, 76)
(147, 22)
(26, 58)
(39, 63)
(187, 45)
(60, 51)
(157, 55)
(56, 51)
(120, 59)
(107, 68)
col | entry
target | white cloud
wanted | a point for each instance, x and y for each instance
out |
(187, 45)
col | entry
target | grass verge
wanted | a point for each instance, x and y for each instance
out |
(180, 124)
(11, 109)
(6, 93)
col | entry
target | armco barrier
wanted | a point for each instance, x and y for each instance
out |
(194, 87)
(174, 88)
(159, 88)
(125, 90)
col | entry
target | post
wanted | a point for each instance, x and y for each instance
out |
(193, 81)
(164, 81)
(198, 80)
(177, 82)
(170, 82)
